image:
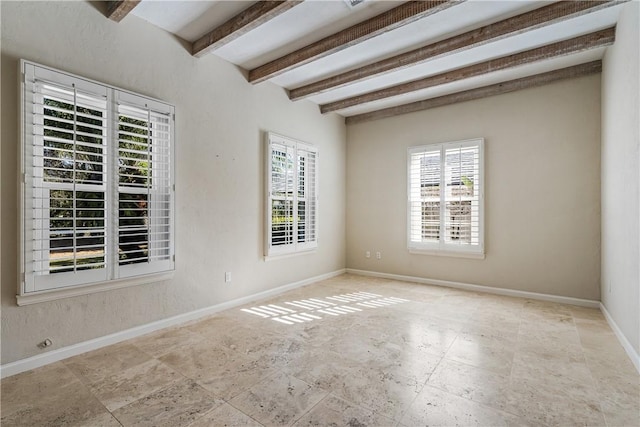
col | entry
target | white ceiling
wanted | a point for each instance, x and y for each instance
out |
(315, 19)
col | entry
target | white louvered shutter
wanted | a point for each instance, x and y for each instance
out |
(307, 196)
(292, 196)
(462, 195)
(445, 197)
(145, 186)
(98, 183)
(424, 195)
(281, 191)
(66, 126)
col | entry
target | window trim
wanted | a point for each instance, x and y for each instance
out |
(441, 248)
(295, 248)
(113, 281)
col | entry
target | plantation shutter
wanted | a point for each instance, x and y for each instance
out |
(65, 130)
(462, 200)
(97, 191)
(145, 186)
(424, 195)
(292, 197)
(445, 205)
(281, 190)
(307, 197)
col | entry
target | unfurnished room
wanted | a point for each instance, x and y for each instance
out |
(320, 213)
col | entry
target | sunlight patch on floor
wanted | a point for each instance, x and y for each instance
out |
(307, 310)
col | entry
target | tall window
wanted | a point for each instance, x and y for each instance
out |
(292, 196)
(445, 200)
(98, 183)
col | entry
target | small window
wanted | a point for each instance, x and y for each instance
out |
(292, 196)
(445, 200)
(98, 183)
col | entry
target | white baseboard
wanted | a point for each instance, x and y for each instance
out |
(33, 362)
(631, 352)
(480, 288)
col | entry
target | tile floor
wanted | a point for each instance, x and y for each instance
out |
(350, 351)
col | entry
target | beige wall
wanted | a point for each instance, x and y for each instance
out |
(220, 124)
(542, 192)
(621, 176)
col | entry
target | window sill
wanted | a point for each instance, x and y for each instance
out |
(276, 257)
(55, 294)
(453, 254)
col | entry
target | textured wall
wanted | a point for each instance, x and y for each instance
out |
(220, 124)
(621, 176)
(542, 189)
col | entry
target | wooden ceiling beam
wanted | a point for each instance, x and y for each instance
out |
(117, 10)
(519, 24)
(575, 45)
(401, 15)
(250, 18)
(481, 92)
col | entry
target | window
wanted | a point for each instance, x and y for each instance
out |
(292, 196)
(445, 200)
(98, 183)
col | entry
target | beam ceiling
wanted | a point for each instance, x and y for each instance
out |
(589, 68)
(250, 18)
(394, 57)
(532, 20)
(575, 45)
(388, 21)
(117, 10)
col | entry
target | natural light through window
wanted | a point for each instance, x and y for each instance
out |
(310, 309)
(445, 198)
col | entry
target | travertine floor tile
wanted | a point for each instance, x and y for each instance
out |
(496, 332)
(387, 393)
(225, 415)
(585, 313)
(324, 370)
(69, 404)
(621, 412)
(134, 383)
(495, 318)
(221, 370)
(221, 328)
(496, 358)
(163, 342)
(278, 400)
(100, 364)
(556, 369)
(429, 335)
(542, 401)
(546, 308)
(105, 419)
(177, 405)
(412, 355)
(489, 338)
(333, 411)
(480, 385)
(19, 390)
(434, 407)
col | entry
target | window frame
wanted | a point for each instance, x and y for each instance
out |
(441, 247)
(33, 287)
(311, 185)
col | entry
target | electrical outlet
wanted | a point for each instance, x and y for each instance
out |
(46, 343)
(367, 254)
(227, 277)
(378, 255)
